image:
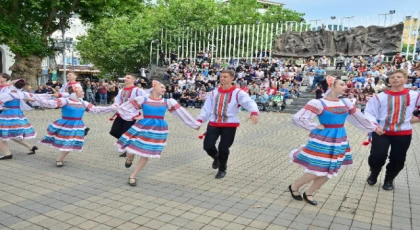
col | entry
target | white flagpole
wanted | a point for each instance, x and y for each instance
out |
(234, 42)
(252, 43)
(409, 37)
(230, 40)
(266, 39)
(416, 36)
(243, 40)
(212, 46)
(256, 44)
(271, 40)
(247, 42)
(182, 45)
(195, 47)
(219, 43)
(226, 40)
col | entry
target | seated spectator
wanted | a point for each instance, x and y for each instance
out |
(184, 97)
(285, 92)
(253, 96)
(277, 99)
(352, 99)
(380, 87)
(361, 102)
(192, 99)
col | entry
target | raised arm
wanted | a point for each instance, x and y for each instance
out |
(42, 100)
(130, 109)
(304, 117)
(98, 109)
(360, 120)
(177, 110)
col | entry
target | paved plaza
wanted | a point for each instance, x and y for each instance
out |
(179, 190)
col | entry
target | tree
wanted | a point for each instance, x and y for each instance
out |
(25, 26)
(119, 45)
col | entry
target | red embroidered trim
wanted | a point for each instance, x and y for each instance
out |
(311, 108)
(175, 107)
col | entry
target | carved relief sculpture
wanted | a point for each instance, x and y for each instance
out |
(357, 41)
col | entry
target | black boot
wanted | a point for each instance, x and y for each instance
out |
(389, 181)
(220, 174)
(216, 163)
(373, 177)
(123, 155)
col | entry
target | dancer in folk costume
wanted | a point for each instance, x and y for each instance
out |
(64, 90)
(67, 134)
(71, 82)
(13, 123)
(220, 109)
(130, 91)
(393, 109)
(4, 78)
(328, 148)
(147, 137)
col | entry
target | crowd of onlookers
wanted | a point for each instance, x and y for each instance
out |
(270, 81)
(96, 92)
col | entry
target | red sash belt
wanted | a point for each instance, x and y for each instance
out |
(72, 118)
(154, 117)
(334, 126)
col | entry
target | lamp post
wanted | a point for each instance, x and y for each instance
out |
(391, 12)
(155, 41)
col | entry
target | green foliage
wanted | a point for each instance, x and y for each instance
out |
(122, 44)
(26, 25)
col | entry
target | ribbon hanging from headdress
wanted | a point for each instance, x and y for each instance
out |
(330, 81)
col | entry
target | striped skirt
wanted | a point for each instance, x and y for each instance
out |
(65, 135)
(325, 153)
(145, 138)
(14, 125)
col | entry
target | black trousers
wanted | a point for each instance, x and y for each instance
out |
(227, 136)
(379, 152)
(120, 126)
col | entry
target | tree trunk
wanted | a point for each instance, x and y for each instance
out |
(28, 68)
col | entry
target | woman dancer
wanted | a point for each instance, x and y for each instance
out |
(147, 137)
(328, 148)
(13, 123)
(67, 134)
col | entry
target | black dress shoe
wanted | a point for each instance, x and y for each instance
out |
(216, 163)
(134, 183)
(296, 197)
(388, 185)
(373, 177)
(7, 157)
(311, 202)
(127, 164)
(220, 174)
(33, 150)
(123, 155)
(86, 131)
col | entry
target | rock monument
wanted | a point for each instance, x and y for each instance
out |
(357, 41)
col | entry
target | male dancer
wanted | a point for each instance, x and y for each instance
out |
(393, 109)
(130, 91)
(221, 108)
(71, 81)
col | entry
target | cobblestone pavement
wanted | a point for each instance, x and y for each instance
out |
(179, 190)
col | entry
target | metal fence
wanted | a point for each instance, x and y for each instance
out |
(256, 40)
